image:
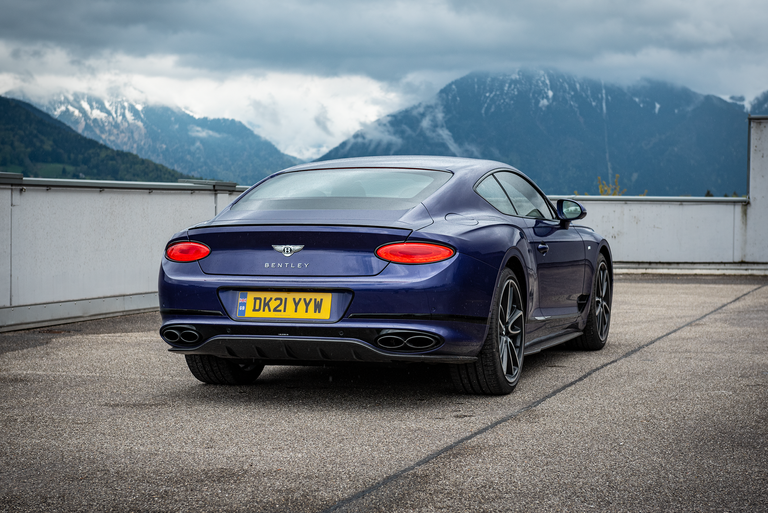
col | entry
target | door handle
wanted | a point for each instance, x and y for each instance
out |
(543, 248)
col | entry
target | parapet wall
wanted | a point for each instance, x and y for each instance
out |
(665, 230)
(78, 249)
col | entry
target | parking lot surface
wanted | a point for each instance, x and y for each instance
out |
(671, 416)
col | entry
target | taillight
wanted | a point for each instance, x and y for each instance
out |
(187, 251)
(414, 253)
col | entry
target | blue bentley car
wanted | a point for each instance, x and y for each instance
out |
(443, 260)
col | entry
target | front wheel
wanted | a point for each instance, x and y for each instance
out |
(223, 371)
(500, 362)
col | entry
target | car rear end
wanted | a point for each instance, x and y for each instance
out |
(326, 266)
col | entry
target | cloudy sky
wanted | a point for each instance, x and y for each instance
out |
(306, 74)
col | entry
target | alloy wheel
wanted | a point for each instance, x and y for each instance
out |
(603, 301)
(511, 331)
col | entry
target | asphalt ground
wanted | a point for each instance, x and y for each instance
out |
(671, 416)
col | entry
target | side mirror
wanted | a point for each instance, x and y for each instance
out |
(569, 210)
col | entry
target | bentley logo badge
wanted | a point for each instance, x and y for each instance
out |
(287, 250)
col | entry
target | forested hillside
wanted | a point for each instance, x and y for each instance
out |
(217, 149)
(36, 145)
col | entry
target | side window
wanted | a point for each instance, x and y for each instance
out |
(492, 192)
(526, 200)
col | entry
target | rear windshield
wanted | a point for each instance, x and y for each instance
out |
(333, 189)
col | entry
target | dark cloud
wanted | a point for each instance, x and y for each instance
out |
(307, 74)
(383, 39)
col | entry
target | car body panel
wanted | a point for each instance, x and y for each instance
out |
(559, 254)
(319, 250)
(449, 301)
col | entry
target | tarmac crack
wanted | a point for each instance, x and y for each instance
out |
(349, 501)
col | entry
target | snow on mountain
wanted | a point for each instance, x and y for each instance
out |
(221, 149)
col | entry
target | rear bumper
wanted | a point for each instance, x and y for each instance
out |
(345, 340)
(299, 350)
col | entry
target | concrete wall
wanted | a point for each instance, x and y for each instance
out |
(79, 249)
(671, 230)
(76, 249)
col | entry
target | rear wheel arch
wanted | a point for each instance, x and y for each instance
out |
(500, 360)
(609, 261)
(516, 266)
(598, 321)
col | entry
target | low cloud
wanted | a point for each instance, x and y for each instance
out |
(322, 121)
(202, 133)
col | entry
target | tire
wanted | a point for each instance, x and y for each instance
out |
(500, 362)
(223, 371)
(599, 317)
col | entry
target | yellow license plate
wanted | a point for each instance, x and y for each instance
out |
(284, 305)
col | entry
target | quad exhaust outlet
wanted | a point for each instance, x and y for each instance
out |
(407, 341)
(181, 335)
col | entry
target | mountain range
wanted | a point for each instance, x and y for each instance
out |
(218, 149)
(37, 145)
(565, 132)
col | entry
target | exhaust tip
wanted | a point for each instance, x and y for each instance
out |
(171, 336)
(390, 342)
(421, 342)
(189, 336)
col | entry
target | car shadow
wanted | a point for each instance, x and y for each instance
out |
(351, 386)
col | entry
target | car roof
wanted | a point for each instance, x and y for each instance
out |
(458, 165)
